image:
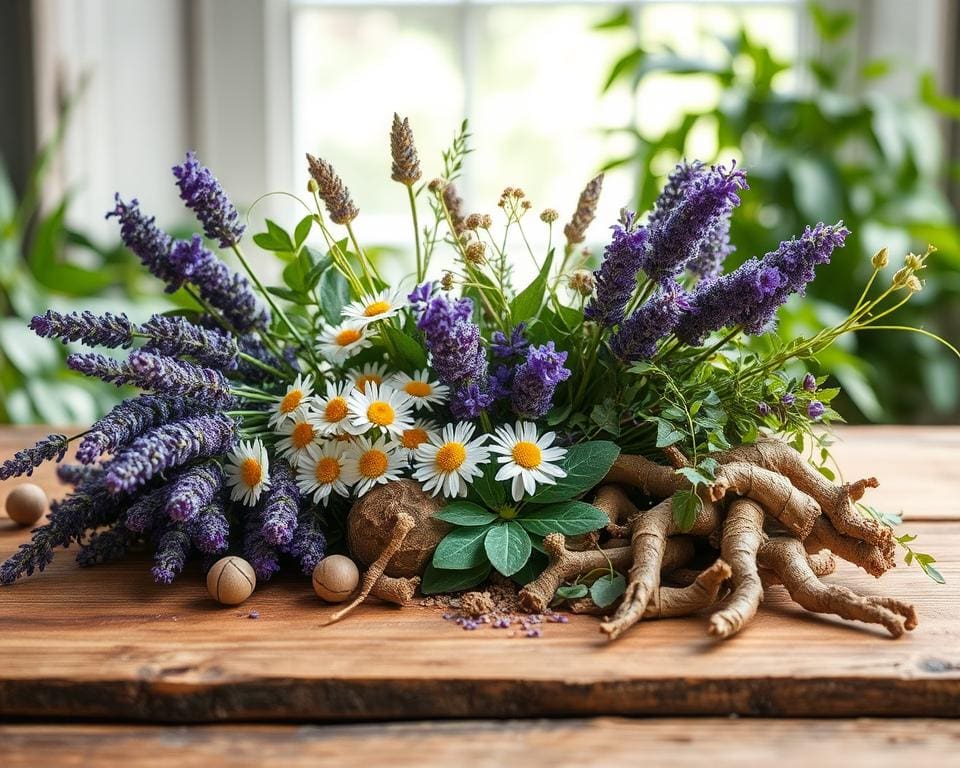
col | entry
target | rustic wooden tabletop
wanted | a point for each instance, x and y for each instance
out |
(102, 667)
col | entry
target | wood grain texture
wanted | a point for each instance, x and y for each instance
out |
(717, 742)
(108, 643)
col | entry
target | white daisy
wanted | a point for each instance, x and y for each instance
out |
(320, 471)
(380, 405)
(421, 390)
(368, 463)
(527, 458)
(371, 373)
(297, 394)
(412, 438)
(340, 342)
(247, 471)
(331, 413)
(450, 461)
(377, 306)
(299, 433)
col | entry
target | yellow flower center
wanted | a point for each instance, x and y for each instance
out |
(451, 456)
(347, 336)
(291, 401)
(412, 438)
(251, 472)
(377, 308)
(327, 470)
(302, 435)
(508, 512)
(527, 454)
(373, 463)
(418, 388)
(381, 413)
(368, 378)
(336, 409)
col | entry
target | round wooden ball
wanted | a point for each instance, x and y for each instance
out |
(231, 580)
(26, 504)
(335, 578)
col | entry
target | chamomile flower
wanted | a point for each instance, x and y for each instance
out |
(376, 306)
(421, 390)
(368, 463)
(451, 460)
(371, 373)
(298, 434)
(320, 471)
(341, 342)
(417, 435)
(297, 394)
(526, 458)
(331, 413)
(380, 405)
(247, 472)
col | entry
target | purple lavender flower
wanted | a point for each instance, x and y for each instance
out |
(192, 490)
(536, 380)
(144, 514)
(638, 335)
(147, 241)
(253, 346)
(453, 341)
(308, 544)
(25, 461)
(470, 400)
(676, 237)
(788, 399)
(106, 330)
(130, 419)
(106, 546)
(278, 513)
(797, 258)
(501, 382)
(764, 409)
(210, 530)
(420, 295)
(810, 383)
(815, 410)
(174, 377)
(617, 276)
(219, 285)
(515, 346)
(674, 190)
(171, 554)
(178, 337)
(167, 447)
(74, 474)
(202, 193)
(257, 550)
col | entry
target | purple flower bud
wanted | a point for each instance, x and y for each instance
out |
(106, 546)
(144, 514)
(193, 489)
(763, 409)
(258, 552)
(810, 383)
(202, 193)
(470, 401)
(420, 295)
(815, 410)
(536, 380)
(453, 341)
(174, 377)
(638, 335)
(210, 530)
(308, 544)
(147, 241)
(515, 346)
(171, 554)
(25, 461)
(617, 277)
(74, 474)
(177, 337)
(278, 514)
(788, 399)
(104, 330)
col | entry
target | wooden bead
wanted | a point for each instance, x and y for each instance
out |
(231, 580)
(26, 504)
(335, 578)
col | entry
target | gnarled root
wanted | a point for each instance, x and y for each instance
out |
(653, 479)
(788, 560)
(403, 524)
(794, 509)
(398, 591)
(616, 505)
(871, 558)
(742, 538)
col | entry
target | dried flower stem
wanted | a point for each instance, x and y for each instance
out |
(416, 233)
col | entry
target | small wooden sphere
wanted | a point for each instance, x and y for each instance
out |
(335, 578)
(26, 504)
(231, 580)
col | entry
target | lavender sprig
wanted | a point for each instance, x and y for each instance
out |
(278, 514)
(144, 514)
(257, 550)
(638, 335)
(171, 554)
(167, 447)
(178, 337)
(147, 241)
(308, 544)
(192, 490)
(536, 380)
(25, 461)
(202, 193)
(209, 530)
(107, 546)
(74, 474)
(106, 330)
(616, 280)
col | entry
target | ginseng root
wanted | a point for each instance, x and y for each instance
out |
(742, 538)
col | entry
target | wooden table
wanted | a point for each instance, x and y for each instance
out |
(169, 676)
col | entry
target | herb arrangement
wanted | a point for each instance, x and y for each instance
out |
(581, 435)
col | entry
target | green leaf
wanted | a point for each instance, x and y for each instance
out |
(334, 295)
(586, 464)
(294, 297)
(694, 475)
(488, 490)
(526, 304)
(465, 513)
(686, 506)
(572, 591)
(410, 350)
(933, 573)
(437, 580)
(667, 434)
(507, 546)
(570, 518)
(460, 549)
(302, 231)
(607, 589)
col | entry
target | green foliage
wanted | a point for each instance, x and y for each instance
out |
(866, 157)
(911, 556)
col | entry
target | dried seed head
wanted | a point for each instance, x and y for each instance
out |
(913, 261)
(474, 221)
(446, 282)
(487, 221)
(880, 259)
(475, 252)
(454, 204)
(526, 205)
(406, 162)
(576, 230)
(437, 185)
(332, 191)
(549, 215)
(913, 284)
(900, 277)
(581, 281)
